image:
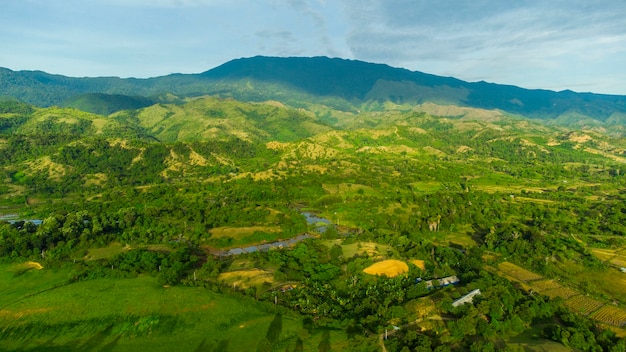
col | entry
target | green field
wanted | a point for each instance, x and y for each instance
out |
(39, 311)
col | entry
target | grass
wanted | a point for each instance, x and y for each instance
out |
(239, 233)
(365, 248)
(40, 311)
(247, 278)
(109, 251)
(461, 236)
(531, 341)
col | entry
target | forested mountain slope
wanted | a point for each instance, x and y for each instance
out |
(346, 85)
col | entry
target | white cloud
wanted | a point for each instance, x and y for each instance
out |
(491, 39)
(553, 44)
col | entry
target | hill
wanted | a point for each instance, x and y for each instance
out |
(345, 85)
(106, 104)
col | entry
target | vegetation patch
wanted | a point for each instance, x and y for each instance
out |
(370, 249)
(543, 285)
(247, 278)
(109, 251)
(239, 233)
(562, 292)
(518, 273)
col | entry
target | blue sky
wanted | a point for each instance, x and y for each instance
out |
(573, 44)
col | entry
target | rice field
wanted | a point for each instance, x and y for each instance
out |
(544, 285)
(562, 292)
(611, 315)
(518, 273)
(615, 257)
(583, 304)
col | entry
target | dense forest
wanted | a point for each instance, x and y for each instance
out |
(531, 215)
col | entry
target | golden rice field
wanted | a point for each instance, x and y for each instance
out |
(389, 268)
(611, 315)
(518, 273)
(583, 304)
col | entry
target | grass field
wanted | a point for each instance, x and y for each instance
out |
(238, 233)
(531, 341)
(41, 311)
(106, 252)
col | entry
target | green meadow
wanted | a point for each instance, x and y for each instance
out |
(42, 310)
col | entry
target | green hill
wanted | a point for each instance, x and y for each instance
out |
(106, 104)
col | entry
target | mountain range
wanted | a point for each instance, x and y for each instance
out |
(327, 83)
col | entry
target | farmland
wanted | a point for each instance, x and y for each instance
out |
(598, 310)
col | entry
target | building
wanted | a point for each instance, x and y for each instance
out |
(446, 281)
(468, 298)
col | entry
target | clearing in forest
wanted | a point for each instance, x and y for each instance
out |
(389, 268)
(370, 249)
(109, 251)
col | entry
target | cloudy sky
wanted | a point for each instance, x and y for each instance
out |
(555, 44)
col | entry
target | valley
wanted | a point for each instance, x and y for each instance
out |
(217, 224)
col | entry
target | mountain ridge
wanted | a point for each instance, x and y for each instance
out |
(346, 85)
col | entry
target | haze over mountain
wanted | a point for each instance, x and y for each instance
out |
(346, 85)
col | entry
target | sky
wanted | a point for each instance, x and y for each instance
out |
(555, 44)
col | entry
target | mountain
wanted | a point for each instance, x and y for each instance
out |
(345, 85)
